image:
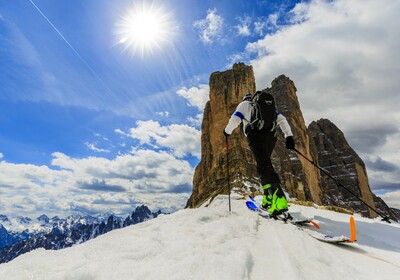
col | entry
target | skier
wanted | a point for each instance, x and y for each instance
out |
(262, 143)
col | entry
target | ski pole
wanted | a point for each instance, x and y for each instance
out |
(227, 163)
(384, 218)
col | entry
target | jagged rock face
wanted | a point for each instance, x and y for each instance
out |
(321, 142)
(5, 237)
(384, 209)
(394, 213)
(226, 92)
(297, 176)
(342, 163)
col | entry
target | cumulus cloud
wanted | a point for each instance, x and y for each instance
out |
(96, 184)
(379, 164)
(27, 188)
(144, 171)
(392, 199)
(343, 57)
(182, 140)
(1, 155)
(196, 96)
(101, 185)
(22, 176)
(384, 178)
(370, 137)
(196, 121)
(210, 27)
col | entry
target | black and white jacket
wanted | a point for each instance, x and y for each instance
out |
(243, 114)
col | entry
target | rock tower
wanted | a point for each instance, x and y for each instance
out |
(322, 142)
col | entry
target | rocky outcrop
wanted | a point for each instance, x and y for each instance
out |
(226, 91)
(394, 213)
(344, 165)
(322, 142)
(386, 210)
(300, 179)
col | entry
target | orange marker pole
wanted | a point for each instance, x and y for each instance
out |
(353, 231)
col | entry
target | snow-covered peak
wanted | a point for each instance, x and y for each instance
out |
(212, 243)
(44, 224)
(43, 219)
(3, 218)
(103, 217)
(24, 220)
(88, 220)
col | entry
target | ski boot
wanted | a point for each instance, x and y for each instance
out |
(267, 198)
(279, 204)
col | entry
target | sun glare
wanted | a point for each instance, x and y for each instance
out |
(145, 28)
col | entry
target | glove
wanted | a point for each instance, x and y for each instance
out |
(290, 142)
(226, 134)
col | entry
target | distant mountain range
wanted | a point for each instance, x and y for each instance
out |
(20, 235)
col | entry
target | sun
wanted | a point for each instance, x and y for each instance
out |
(145, 28)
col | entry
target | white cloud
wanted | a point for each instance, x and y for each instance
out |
(92, 146)
(392, 199)
(27, 188)
(98, 135)
(1, 155)
(20, 176)
(196, 96)
(95, 184)
(182, 140)
(343, 57)
(120, 132)
(143, 170)
(243, 27)
(273, 20)
(163, 114)
(259, 27)
(196, 121)
(264, 24)
(210, 27)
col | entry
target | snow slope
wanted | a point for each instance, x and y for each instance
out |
(211, 243)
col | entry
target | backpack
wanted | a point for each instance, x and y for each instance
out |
(263, 112)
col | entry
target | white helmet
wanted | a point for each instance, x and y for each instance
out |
(248, 96)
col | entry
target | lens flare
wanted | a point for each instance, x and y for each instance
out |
(145, 29)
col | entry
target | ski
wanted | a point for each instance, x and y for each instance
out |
(253, 205)
(337, 239)
(302, 224)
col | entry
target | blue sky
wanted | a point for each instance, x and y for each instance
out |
(93, 119)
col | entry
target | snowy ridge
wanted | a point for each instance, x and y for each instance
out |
(63, 232)
(44, 224)
(16, 229)
(211, 243)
